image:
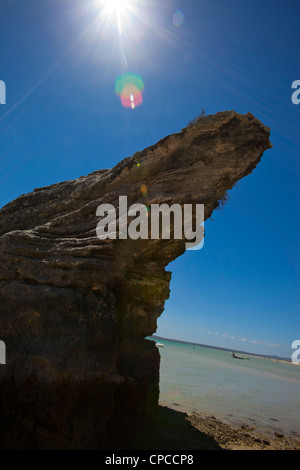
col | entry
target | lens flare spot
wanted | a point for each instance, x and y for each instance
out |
(130, 87)
(144, 189)
(178, 18)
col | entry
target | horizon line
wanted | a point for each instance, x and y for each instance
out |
(222, 348)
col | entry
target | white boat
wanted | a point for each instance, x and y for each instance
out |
(160, 345)
(236, 356)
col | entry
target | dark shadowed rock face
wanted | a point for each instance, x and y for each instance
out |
(74, 309)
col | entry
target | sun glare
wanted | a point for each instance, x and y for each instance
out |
(116, 6)
(116, 11)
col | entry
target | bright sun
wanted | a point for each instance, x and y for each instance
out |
(117, 10)
(116, 6)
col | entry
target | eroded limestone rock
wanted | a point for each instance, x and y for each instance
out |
(74, 310)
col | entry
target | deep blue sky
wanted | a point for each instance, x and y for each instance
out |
(60, 60)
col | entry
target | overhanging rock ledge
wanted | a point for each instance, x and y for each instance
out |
(74, 310)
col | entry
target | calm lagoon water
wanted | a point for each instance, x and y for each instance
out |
(258, 392)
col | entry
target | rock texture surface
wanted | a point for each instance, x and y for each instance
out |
(74, 310)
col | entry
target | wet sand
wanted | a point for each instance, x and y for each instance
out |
(242, 437)
(174, 430)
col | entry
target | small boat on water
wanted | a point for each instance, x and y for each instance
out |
(236, 356)
(160, 345)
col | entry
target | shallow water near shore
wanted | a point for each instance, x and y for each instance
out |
(258, 392)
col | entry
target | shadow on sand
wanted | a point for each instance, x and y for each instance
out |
(170, 430)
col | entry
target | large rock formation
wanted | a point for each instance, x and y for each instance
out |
(75, 310)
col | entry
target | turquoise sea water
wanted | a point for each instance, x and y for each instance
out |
(258, 392)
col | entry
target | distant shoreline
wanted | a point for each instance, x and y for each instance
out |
(260, 356)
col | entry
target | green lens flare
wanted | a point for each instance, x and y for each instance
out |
(129, 87)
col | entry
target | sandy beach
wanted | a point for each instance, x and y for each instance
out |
(174, 430)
